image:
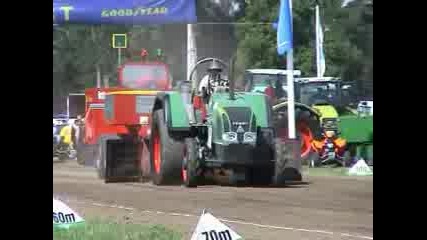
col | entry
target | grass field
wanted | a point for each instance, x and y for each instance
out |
(102, 230)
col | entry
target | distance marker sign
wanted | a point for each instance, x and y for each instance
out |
(63, 216)
(210, 228)
(119, 40)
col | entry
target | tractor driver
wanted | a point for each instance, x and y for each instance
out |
(212, 81)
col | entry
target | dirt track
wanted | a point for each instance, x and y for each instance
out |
(326, 208)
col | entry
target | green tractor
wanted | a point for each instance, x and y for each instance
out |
(323, 105)
(228, 136)
(335, 100)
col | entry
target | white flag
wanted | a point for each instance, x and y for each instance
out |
(360, 169)
(63, 216)
(321, 63)
(210, 228)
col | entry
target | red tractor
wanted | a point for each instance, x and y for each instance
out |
(117, 123)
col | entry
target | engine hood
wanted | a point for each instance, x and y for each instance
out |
(240, 116)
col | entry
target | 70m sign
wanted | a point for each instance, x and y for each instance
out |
(217, 235)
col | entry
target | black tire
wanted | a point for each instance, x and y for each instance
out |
(286, 167)
(101, 156)
(170, 153)
(190, 163)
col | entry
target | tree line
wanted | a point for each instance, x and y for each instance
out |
(82, 53)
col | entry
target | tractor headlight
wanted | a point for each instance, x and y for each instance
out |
(230, 137)
(249, 137)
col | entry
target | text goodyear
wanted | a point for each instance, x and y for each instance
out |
(124, 11)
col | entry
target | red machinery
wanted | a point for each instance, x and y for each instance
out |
(117, 121)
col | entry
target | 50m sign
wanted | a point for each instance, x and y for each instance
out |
(61, 218)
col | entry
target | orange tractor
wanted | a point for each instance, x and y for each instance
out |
(117, 126)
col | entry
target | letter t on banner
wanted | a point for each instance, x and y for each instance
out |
(285, 45)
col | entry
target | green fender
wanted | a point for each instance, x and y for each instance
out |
(175, 111)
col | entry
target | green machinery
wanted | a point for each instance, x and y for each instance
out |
(225, 134)
(332, 99)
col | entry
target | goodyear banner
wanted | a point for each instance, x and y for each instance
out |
(124, 11)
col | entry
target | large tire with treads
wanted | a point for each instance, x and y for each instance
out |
(190, 164)
(287, 168)
(166, 153)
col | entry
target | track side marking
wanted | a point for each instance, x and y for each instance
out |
(221, 219)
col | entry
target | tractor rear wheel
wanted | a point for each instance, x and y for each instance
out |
(189, 168)
(166, 153)
(286, 168)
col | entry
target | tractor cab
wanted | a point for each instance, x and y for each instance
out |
(319, 91)
(149, 75)
(257, 80)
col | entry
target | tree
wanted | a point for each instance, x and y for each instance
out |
(347, 32)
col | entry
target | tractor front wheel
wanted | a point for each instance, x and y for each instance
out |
(189, 165)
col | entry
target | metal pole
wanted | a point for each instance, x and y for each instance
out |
(191, 52)
(290, 83)
(317, 42)
(68, 108)
(98, 76)
(119, 57)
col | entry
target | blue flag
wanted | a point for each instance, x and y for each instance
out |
(124, 11)
(284, 28)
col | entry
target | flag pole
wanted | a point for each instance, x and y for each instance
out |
(317, 42)
(290, 83)
(284, 29)
(291, 94)
(191, 52)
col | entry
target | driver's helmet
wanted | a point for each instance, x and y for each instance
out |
(214, 71)
(214, 67)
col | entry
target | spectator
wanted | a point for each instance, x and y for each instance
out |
(269, 91)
